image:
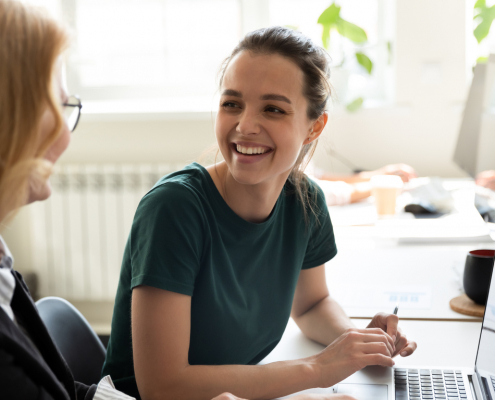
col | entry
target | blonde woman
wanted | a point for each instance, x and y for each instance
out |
(33, 135)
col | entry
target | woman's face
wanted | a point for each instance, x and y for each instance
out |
(262, 123)
(38, 193)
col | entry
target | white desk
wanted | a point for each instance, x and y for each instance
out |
(440, 343)
(366, 263)
(373, 268)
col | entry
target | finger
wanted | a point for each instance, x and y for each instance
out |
(400, 345)
(409, 349)
(378, 359)
(399, 336)
(380, 338)
(379, 332)
(392, 325)
(379, 321)
(375, 348)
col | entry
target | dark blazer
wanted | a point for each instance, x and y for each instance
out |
(24, 373)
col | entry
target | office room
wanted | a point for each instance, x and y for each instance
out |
(145, 145)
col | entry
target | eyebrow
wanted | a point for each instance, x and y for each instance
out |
(269, 96)
(231, 92)
(272, 96)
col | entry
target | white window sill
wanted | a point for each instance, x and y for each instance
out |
(199, 109)
(149, 109)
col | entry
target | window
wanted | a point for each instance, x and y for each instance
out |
(349, 79)
(164, 52)
(164, 55)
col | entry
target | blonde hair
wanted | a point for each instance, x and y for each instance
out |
(30, 44)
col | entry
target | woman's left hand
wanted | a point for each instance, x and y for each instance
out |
(390, 323)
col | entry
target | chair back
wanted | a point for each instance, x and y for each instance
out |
(74, 337)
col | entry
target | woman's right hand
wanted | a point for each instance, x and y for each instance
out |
(352, 351)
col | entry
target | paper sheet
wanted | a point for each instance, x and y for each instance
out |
(411, 297)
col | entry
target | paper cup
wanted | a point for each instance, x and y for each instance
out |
(385, 189)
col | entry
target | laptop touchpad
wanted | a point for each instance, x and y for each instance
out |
(364, 391)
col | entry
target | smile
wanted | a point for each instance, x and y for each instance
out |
(251, 151)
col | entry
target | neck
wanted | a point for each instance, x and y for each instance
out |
(254, 203)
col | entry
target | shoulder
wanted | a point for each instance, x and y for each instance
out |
(312, 192)
(179, 190)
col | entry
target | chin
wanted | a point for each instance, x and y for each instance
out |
(248, 177)
(40, 193)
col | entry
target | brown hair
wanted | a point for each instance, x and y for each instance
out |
(30, 43)
(314, 62)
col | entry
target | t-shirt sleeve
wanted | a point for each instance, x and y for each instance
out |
(167, 239)
(321, 246)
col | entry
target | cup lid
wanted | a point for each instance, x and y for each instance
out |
(386, 181)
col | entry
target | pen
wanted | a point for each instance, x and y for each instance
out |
(396, 309)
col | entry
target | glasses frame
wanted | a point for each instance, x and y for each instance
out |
(79, 106)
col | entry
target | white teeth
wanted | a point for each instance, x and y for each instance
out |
(251, 150)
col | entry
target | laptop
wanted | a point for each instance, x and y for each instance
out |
(430, 383)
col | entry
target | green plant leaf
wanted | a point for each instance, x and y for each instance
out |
(325, 36)
(364, 60)
(482, 60)
(482, 30)
(480, 4)
(355, 105)
(485, 15)
(389, 52)
(330, 15)
(351, 31)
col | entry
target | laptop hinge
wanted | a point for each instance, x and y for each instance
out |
(475, 388)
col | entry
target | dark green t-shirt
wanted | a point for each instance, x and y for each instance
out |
(241, 275)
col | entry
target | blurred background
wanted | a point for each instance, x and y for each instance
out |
(146, 72)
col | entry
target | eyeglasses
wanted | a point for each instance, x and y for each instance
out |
(72, 112)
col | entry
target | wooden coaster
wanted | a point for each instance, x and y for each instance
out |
(464, 305)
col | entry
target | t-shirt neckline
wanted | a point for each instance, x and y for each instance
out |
(225, 208)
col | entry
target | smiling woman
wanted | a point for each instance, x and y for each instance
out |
(219, 258)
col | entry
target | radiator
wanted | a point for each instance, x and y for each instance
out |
(79, 233)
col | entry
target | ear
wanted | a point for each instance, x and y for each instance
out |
(316, 128)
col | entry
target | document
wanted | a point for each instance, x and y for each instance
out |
(411, 297)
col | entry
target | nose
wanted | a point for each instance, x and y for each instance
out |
(248, 123)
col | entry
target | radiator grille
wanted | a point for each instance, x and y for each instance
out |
(79, 233)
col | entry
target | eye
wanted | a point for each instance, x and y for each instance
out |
(274, 110)
(229, 104)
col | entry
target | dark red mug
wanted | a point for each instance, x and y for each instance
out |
(477, 274)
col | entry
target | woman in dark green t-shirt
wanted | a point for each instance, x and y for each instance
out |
(219, 258)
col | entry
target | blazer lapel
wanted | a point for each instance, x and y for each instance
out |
(61, 379)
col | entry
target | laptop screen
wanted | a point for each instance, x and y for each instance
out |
(485, 359)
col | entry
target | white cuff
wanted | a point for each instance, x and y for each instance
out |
(106, 391)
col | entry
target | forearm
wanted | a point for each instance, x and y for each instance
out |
(324, 322)
(361, 191)
(202, 382)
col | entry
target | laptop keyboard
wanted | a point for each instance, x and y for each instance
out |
(414, 384)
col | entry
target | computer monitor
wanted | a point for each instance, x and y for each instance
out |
(476, 141)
